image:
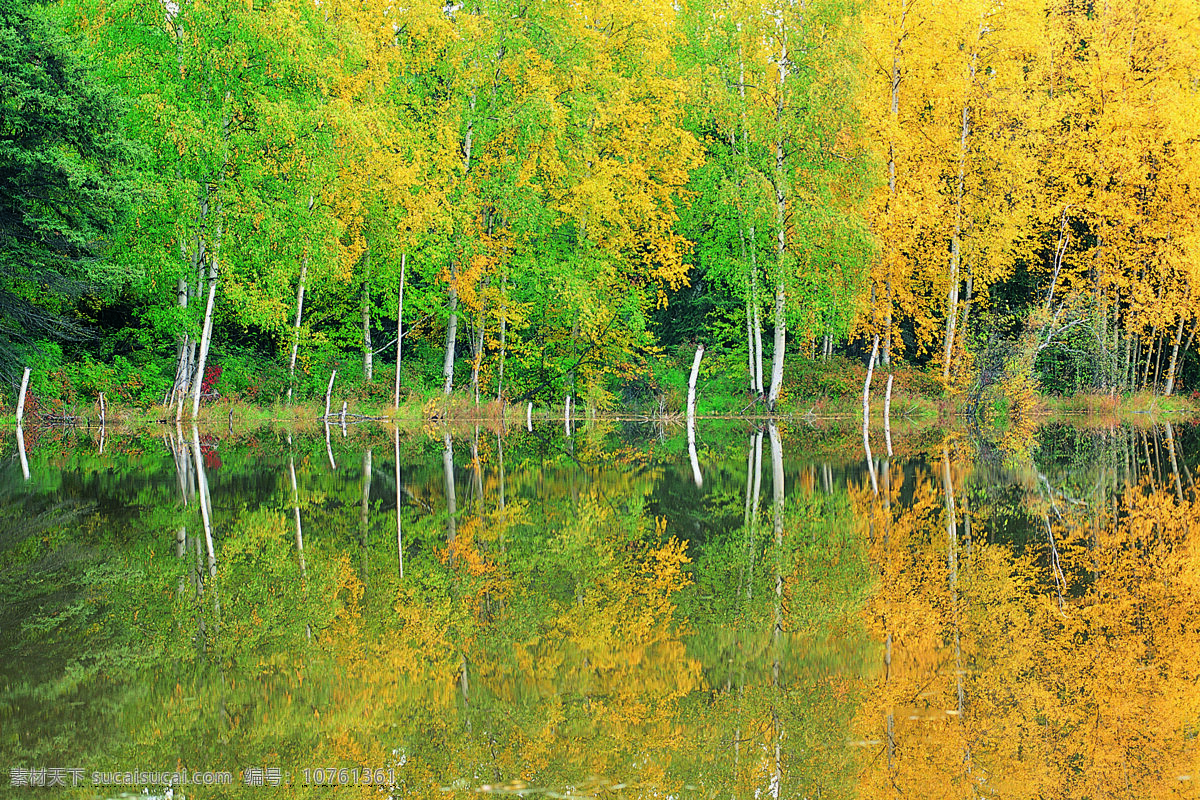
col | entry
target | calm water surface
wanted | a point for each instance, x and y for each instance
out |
(465, 612)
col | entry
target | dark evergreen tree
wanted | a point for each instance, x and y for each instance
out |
(61, 151)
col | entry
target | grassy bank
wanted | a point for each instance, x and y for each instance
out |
(828, 393)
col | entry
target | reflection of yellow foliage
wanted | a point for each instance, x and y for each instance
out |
(1066, 670)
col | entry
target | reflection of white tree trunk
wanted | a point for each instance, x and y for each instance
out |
(887, 416)
(365, 515)
(329, 447)
(952, 568)
(451, 503)
(399, 516)
(296, 511)
(1174, 462)
(777, 490)
(205, 502)
(21, 451)
(749, 479)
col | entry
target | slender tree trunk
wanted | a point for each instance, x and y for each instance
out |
(181, 291)
(780, 343)
(205, 336)
(299, 308)
(1186, 347)
(1170, 387)
(756, 304)
(691, 399)
(959, 216)
(691, 416)
(780, 222)
(21, 396)
(368, 354)
(890, 253)
(451, 338)
(1149, 357)
(750, 343)
(477, 353)
(866, 400)
(1162, 343)
(503, 343)
(400, 327)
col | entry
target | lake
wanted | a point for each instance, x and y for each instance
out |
(468, 612)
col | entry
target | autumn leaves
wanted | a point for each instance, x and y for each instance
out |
(1034, 161)
(545, 177)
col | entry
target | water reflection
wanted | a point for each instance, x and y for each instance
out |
(585, 618)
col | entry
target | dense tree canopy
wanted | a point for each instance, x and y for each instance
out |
(61, 151)
(553, 199)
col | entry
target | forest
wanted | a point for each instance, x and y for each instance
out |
(523, 200)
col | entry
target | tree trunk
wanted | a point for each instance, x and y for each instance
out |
(1170, 387)
(503, 345)
(756, 303)
(890, 253)
(299, 309)
(21, 396)
(691, 416)
(205, 335)
(781, 224)
(400, 327)
(959, 221)
(780, 342)
(691, 399)
(368, 355)
(451, 337)
(866, 401)
(181, 291)
(477, 353)
(750, 343)
(887, 417)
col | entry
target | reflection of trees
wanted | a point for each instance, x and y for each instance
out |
(1054, 663)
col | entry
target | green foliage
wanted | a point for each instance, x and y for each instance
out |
(61, 154)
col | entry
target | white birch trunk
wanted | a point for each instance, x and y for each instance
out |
(959, 216)
(866, 426)
(780, 343)
(368, 354)
(781, 223)
(400, 328)
(1170, 387)
(328, 393)
(205, 335)
(21, 396)
(299, 309)
(451, 339)
(503, 348)
(691, 416)
(691, 399)
(887, 417)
